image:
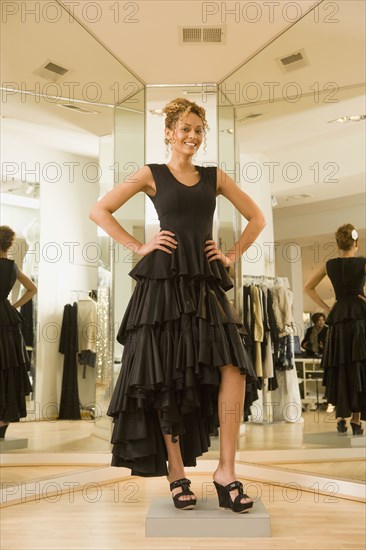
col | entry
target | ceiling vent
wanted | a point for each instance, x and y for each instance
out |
(293, 61)
(197, 91)
(202, 35)
(78, 109)
(51, 71)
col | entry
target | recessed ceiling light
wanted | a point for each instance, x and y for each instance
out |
(248, 117)
(297, 197)
(76, 108)
(156, 111)
(350, 118)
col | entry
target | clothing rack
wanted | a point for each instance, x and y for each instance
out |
(257, 280)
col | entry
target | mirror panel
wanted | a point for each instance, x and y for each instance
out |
(129, 156)
(57, 136)
(286, 120)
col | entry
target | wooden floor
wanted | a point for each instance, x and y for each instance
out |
(75, 436)
(103, 519)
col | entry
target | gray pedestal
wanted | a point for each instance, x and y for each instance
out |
(207, 520)
(334, 439)
(10, 444)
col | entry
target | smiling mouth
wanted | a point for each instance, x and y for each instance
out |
(190, 144)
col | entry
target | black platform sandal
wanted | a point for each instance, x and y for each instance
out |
(223, 493)
(357, 429)
(3, 430)
(183, 504)
(341, 426)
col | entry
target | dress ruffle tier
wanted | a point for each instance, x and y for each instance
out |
(344, 357)
(187, 260)
(14, 363)
(178, 329)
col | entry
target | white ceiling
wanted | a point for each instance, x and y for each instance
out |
(143, 36)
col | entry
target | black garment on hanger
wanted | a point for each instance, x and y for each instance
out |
(251, 392)
(69, 403)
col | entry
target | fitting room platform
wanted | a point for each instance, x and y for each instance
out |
(207, 520)
(334, 439)
(11, 444)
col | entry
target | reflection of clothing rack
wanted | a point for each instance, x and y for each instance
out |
(268, 317)
(78, 341)
(265, 279)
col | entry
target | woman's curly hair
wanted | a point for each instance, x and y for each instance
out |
(316, 316)
(7, 236)
(180, 107)
(344, 236)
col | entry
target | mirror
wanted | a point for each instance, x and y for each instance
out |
(59, 136)
(129, 148)
(306, 171)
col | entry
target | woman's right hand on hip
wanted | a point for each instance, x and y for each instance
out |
(161, 241)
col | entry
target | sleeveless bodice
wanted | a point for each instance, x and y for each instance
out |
(8, 276)
(188, 212)
(347, 276)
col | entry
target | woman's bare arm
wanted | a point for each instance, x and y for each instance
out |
(312, 283)
(102, 215)
(248, 208)
(102, 211)
(30, 287)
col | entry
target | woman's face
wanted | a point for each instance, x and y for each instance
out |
(187, 136)
(320, 323)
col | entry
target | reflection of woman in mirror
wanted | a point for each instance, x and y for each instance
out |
(314, 339)
(344, 357)
(14, 362)
(185, 361)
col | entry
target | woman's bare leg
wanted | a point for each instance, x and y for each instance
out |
(231, 409)
(356, 418)
(175, 465)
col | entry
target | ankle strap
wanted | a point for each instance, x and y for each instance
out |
(184, 482)
(234, 485)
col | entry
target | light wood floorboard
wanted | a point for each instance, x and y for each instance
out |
(103, 519)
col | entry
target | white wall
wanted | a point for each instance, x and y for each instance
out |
(259, 258)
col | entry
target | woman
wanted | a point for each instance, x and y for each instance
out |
(344, 357)
(184, 362)
(313, 342)
(14, 362)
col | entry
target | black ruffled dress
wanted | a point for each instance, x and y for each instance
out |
(344, 357)
(14, 361)
(178, 329)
